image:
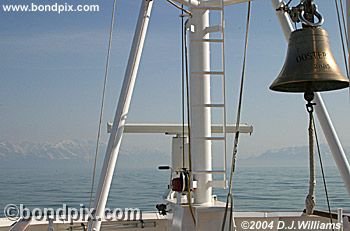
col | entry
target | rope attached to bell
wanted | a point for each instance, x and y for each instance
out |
(310, 201)
(310, 198)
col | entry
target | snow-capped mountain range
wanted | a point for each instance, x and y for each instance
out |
(76, 151)
(68, 149)
(85, 150)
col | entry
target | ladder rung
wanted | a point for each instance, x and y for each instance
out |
(212, 29)
(208, 72)
(209, 40)
(209, 171)
(219, 184)
(214, 105)
(214, 138)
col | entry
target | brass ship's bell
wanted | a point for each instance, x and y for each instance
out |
(310, 65)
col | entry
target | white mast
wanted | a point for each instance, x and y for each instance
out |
(121, 115)
(199, 98)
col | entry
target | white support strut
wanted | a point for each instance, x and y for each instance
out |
(121, 115)
(321, 111)
(333, 140)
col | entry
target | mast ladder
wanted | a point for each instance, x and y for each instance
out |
(217, 55)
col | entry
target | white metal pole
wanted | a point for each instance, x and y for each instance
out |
(199, 97)
(121, 114)
(321, 112)
(333, 140)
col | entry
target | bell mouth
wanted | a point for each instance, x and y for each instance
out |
(300, 86)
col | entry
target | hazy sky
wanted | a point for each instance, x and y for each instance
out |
(52, 68)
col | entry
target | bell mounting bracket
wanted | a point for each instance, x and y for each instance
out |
(305, 12)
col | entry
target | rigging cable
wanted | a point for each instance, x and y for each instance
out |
(344, 23)
(346, 35)
(342, 39)
(323, 175)
(179, 7)
(183, 41)
(229, 199)
(183, 86)
(189, 198)
(185, 73)
(103, 97)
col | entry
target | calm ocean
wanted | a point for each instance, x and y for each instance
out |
(50, 184)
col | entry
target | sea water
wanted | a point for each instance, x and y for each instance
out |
(50, 184)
